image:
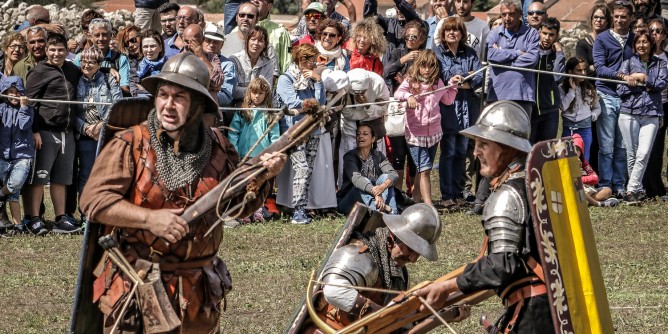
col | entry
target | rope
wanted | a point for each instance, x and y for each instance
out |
(431, 309)
(360, 288)
(622, 82)
(468, 77)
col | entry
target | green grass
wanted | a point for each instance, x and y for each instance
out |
(270, 265)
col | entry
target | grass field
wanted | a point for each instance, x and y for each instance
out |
(270, 265)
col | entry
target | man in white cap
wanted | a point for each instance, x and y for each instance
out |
(279, 37)
(214, 38)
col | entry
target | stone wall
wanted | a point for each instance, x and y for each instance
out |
(569, 39)
(14, 13)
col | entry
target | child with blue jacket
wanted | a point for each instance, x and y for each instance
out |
(17, 147)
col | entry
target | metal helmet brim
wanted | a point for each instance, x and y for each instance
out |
(419, 227)
(503, 122)
(194, 82)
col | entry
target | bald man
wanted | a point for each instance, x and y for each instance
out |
(184, 17)
(536, 14)
(247, 17)
(34, 16)
(193, 37)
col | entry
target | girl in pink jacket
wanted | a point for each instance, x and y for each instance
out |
(423, 116)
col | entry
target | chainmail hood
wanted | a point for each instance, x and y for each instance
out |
(177, 170)
(394, 278)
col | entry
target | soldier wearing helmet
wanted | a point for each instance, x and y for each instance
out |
(511, 266)
(143, 180)
(377, 259)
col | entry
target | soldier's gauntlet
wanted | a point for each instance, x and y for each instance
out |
(363, 306)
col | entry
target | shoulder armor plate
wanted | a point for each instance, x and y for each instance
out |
(347, 261)
(504, 217)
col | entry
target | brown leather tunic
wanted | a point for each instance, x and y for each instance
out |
(195, 278)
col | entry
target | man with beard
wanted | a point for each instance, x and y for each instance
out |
(36, 39)
(330, 6)
(394, 26)
(476, 28)
(214, 38)
(536, 14)
(501, 144)
(377, 259)
(168, 13)
(183, 160)
(646, 8)
(184, 17)
(193, 39)
(313, 14)
(100, 34)
(279, 37)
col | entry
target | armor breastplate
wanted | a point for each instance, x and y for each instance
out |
(148, 191)
(505, 216)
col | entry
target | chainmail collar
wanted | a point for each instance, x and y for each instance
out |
(394, 278)
(177, 170)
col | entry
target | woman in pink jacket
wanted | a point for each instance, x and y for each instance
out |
(423, 116)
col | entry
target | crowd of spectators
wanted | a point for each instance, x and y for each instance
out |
(432, 66)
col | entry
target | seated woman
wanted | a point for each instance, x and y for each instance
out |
(595, 196)
(368, 177)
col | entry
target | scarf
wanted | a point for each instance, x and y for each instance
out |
(177, 170)
(394, 278)
(335, 55)
(368, 169)
(300, 82)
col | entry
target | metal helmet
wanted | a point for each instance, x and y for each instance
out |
(418, 227)
(504, 122)
(187, 70)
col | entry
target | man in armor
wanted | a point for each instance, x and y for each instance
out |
(377, 259)
(143, 180)
(511, 265)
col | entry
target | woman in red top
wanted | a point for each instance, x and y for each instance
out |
(368, 45)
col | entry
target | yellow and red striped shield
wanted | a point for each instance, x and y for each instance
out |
(565, 237)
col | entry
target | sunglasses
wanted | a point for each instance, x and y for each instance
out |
(132, 40)
(657, 31)
(315, 16)
(246, 15)
(84, 28)
(411, 37)
(536, 12)
(328, 35)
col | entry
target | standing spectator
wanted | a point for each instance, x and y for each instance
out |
(17, 147)
(368, 45)
(193, 37)
(146, 14)
(652, 181)
(641, 110)
(513, 44)
(332, 35)
(36, 15)
(214, 39)
(330, 13)
(639, 25)
(611, 48)
(313, 15)
(153, 54)
(393, 26)
(54, 79)
(14, 49)
(230, 10)
(401, 58)
(129, 41)
(647, 10)
(536, 14)
(84, 40)
(545, 117)
(36, 37)
(167, 12)
(457, 60)
(423, 116)
(368, 176)
(253, 63)
(580, 106)
(476, 28)
(100, 32)
(302, 81)
(279, 37)
(184, 17)
(94, 86)
(600, 19)
(440, 12)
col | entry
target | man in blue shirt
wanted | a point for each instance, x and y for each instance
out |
(439, 7)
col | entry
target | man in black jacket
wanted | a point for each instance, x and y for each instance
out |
(394, 26)
(54, 79)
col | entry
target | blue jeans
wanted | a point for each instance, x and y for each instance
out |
(86, 148)
(611, 154)
(355, 195)
(14, 174)
(586, 135)
(451, 165)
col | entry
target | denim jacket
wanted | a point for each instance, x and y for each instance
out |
(101, 91)
(293, 99)
(639, 100)
(16, 141)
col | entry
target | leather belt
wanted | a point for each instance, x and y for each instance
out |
(533, 290)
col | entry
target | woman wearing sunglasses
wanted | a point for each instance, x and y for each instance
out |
(129, 41)
(332, 34)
